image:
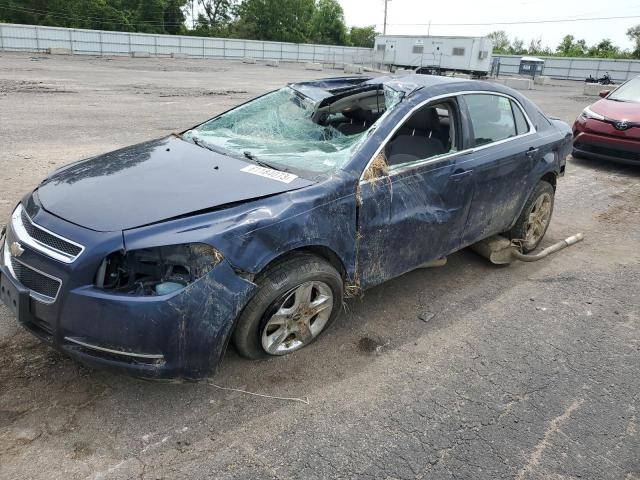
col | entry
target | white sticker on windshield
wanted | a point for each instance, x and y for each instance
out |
(283, 177)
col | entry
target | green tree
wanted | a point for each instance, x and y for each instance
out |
(605, 49)
(517, 47)
(363, 36)
(149, 16)
(569, 47)
(278, 20)
(327, 23)
(634, 35)
(566, 45)
(580, 48)
(174, 17)
(154, 16)
(500, 41)
(216, 13)
(535, 47)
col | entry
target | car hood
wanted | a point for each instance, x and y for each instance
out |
(629, 111)
(154, 181)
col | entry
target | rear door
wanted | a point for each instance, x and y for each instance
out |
(503, 157)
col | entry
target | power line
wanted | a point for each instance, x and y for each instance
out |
(524, 22)
(155, 23)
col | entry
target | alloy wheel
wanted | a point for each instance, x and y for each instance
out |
(299, 317)
(538, 220)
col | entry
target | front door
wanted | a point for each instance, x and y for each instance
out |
(414, 200)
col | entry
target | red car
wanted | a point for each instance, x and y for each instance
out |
(610, 128)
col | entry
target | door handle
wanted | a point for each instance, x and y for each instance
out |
(459, 174)
(532, 152)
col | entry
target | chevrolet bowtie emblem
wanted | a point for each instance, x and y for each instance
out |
(16, 249)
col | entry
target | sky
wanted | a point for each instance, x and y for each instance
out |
(402, 13)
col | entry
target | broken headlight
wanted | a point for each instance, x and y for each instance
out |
(158, 270)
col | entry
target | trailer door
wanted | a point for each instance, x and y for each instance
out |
(391, 52)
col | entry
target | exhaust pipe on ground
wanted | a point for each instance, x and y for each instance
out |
(501, 250)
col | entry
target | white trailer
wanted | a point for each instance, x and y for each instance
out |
(435, 54)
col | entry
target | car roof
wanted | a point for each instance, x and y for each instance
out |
(430, 85)
(407, 83)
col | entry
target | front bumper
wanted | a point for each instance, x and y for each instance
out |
(601, 142)
(182, 335)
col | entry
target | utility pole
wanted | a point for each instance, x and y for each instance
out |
(384, 29)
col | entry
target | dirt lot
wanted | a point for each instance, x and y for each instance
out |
(468, 371)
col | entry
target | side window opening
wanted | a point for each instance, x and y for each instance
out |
(430, 132)
(354, 115)
(492, 118)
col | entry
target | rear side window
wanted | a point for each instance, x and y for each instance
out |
(491, 117)
(521, 123)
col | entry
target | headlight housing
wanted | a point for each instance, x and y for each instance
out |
(157, 270)
(588, 113)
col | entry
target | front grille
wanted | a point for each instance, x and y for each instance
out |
(35, 281)
(47, 238)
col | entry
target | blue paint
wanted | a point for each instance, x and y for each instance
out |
(168, 191)
(150, 182)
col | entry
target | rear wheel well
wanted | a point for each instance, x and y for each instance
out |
(550, 177)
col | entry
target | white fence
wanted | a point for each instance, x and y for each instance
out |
(33, 38)
(576, 68)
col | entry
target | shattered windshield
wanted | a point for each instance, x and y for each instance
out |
(286, 131)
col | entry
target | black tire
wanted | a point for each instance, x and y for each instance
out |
(519, 230)
(274, 284)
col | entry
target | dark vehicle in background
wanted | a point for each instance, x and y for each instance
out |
(251, 227)
(610, 128)
(603, 80)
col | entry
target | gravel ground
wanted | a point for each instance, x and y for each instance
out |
(473, 371)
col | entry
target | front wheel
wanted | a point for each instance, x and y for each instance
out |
(297, 300)
(535, 217)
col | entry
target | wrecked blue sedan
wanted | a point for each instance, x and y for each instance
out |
(253, 226)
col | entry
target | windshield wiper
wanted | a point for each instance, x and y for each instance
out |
(202, 144)
(248, 155)
(262, 163)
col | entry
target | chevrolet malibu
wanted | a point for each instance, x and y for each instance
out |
(253, 226)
